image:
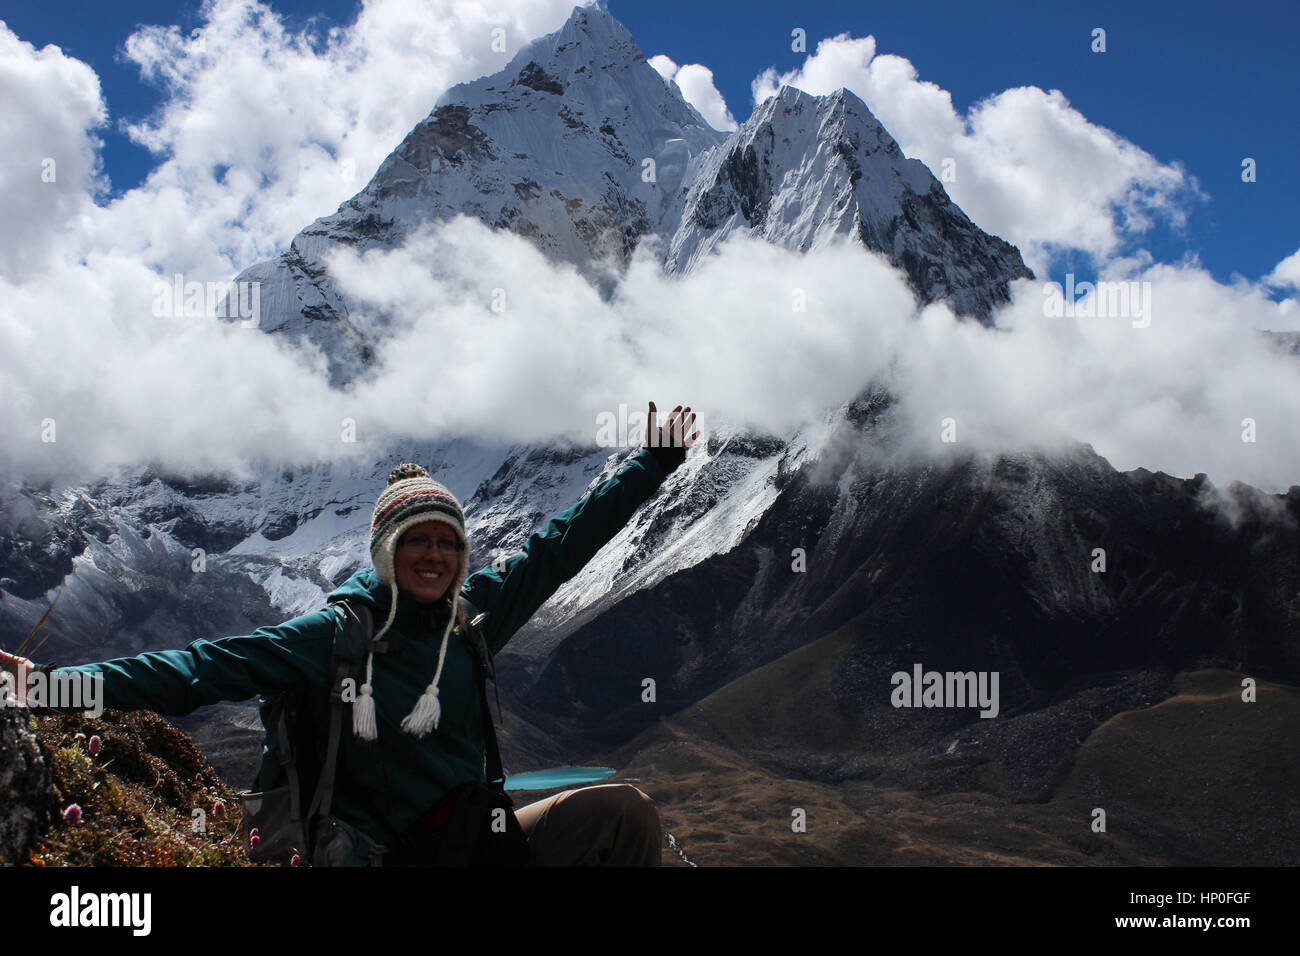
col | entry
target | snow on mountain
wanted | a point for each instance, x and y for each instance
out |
(556, 148)
(805, 169)
(552, 148)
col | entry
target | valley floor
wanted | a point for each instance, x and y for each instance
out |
(1201, 778)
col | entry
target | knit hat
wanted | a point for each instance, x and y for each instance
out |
(410, 498)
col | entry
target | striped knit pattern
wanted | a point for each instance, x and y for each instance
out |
(411, 498)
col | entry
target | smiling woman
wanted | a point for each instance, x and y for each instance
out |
(425, 559)
(418, 780)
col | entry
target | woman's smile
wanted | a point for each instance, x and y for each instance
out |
(426, 559)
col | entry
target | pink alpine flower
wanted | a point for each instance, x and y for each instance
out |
(72, 814)
(253, 841)
(295, 860)
(218, 809)
(93, 745)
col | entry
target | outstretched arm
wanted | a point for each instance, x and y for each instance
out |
(513, 592)
(232, 668)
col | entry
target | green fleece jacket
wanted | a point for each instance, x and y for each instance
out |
(385, 785)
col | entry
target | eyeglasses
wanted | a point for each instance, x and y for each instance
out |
(419, 544)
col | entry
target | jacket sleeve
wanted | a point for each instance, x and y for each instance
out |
(512, 593)
(175, 682)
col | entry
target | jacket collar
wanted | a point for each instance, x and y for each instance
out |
(412, 617)
(421, 620)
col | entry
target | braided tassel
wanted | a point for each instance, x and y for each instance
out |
(426, 714)
(363, 712)
(428, 711)
(364, 724)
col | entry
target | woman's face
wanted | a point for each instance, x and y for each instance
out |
(426, 560)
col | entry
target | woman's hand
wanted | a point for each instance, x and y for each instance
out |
(15, 672)
(669, 443)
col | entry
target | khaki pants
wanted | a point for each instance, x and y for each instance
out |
(613, 824)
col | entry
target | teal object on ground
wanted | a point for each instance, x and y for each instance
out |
(556, 777)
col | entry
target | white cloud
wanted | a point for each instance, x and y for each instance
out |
(663, 65)
(1286, 274)
(1167, 389)
(261, 130)
(79, 342)
(50, 105)
(726, 338)
(124, 387)
(697, 86)
(1028, 166)
(1170, 396)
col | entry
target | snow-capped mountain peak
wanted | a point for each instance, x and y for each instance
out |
(555, 147)
(804, 169)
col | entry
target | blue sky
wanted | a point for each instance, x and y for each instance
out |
(1203, 84)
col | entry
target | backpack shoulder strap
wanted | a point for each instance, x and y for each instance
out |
(350, 640)
(477, 641)
(352, 636)
(475, 637)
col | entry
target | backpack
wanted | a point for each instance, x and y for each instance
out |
(290, 806)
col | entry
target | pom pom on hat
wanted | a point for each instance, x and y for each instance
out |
(407, 470)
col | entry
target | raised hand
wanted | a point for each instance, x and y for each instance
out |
(669, 443)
